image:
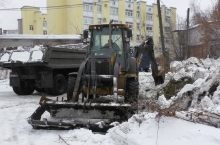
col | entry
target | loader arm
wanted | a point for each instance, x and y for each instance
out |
(146, 47)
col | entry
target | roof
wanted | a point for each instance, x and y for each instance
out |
(106, 25)
(30, 7)
(49, 37)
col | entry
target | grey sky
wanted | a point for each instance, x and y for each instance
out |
(8, 19)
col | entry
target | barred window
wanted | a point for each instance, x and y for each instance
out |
(149, 17)
(129, 13)
(88, 20)
(31, 27)
(99, 8)
(88, 7)
(114, 11)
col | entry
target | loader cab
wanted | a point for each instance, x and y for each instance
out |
(100, 41)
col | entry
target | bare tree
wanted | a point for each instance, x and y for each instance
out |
(75, 27)
(208, 22)
(3, 3)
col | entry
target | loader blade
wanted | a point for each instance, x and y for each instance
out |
(97, 117)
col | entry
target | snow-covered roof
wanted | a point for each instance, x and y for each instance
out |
(75, 37)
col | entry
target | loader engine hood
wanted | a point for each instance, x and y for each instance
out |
(104, 61)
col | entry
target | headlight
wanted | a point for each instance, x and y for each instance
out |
(127, 40)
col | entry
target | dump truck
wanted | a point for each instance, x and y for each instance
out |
(105, 90)
(44, 69)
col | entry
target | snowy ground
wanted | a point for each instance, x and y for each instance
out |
(141, 129)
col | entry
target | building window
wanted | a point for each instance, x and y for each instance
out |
(138, 37)
(167, 41)
(99, 20)
(149, 28)
(149, 9)
(88, 20)
(138, 7)
(44, 24)
(138, 15)
(114, 11)
(149, 17)
(113, 3)
(99, 8)
(138, 26)
(45, 32)
(130, 25)
(31, 27)
(167, 20)
(115, 22)
(129, 13)
(129, 5)
(88, 7)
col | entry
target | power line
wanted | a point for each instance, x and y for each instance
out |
(52, 7)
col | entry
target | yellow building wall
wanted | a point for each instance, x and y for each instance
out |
(156, 26)
(135, 24)
(173, 27)
(95, 13)
(57, 17)
(28, 17)
(74, 17)
(38, 22)
(173, 17)
(143, 21)
(106, 11)
(121, 11)
(70, 20)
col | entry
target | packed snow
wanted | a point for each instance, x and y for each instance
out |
(185, 126)
(31, 53)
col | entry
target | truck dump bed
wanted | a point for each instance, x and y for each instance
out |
(44, 69)
(53, 57)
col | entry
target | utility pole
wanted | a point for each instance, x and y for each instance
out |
(187, 51)
(165, 51)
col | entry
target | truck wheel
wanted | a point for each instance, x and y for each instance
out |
(28, 90)
(40, 90)
(133, 90)
(47, 90)
(70, 87)
(18, 90)
(59, 85)
(27, 87)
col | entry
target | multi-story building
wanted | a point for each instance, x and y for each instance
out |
(32, 21)
(72, 16)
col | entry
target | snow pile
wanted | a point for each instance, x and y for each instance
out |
(32, 54)
(4, 73)
(147, 128)
(23, 54)
(200, 96)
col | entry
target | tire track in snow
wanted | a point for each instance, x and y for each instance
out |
(20, 104)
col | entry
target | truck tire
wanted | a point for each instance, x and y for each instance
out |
(40, 90)
(59, 85)
(133, 90)
(18, 90)
(70, 87)
(47, 91)
(25, 89)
